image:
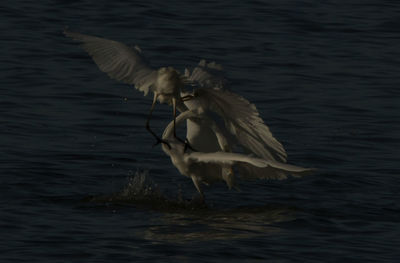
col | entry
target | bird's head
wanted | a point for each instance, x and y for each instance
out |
(168, 84)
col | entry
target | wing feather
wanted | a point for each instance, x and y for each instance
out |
(243, 121)
(226, 158)
(260, 168)
(119, 61)
(276, 172)
(207, 75)
(241, 117)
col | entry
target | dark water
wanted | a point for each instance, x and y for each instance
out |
(325, 77)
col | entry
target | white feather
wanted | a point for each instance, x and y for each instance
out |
(242, 120)
(119, 61)
(241, 117)
(225, 158)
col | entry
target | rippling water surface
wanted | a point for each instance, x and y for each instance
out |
(80, 181)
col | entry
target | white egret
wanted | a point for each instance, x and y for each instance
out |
(127, 65)
(209, 167)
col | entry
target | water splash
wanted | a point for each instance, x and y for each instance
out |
(140, 186)
(142, 191)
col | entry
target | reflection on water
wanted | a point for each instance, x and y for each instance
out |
(190, 220)
(238, 223)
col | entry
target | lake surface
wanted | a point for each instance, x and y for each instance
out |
(81, 182)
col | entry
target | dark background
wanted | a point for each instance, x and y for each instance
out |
(324, 76)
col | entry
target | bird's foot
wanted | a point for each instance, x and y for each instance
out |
(161, 141)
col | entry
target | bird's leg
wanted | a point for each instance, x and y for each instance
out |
(159, 140)
(196, 183)
(186, 142)
(202, 199)
(228, 175)
(174, 114)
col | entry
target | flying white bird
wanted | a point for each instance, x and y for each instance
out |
(209, 167)
(128, 65)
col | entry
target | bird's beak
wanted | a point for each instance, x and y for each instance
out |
(187, 97)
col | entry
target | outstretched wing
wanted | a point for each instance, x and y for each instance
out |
(225, 158)
(277, 171)
(206, 75)
(243, 121)
(119, 61)
(246, 161)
